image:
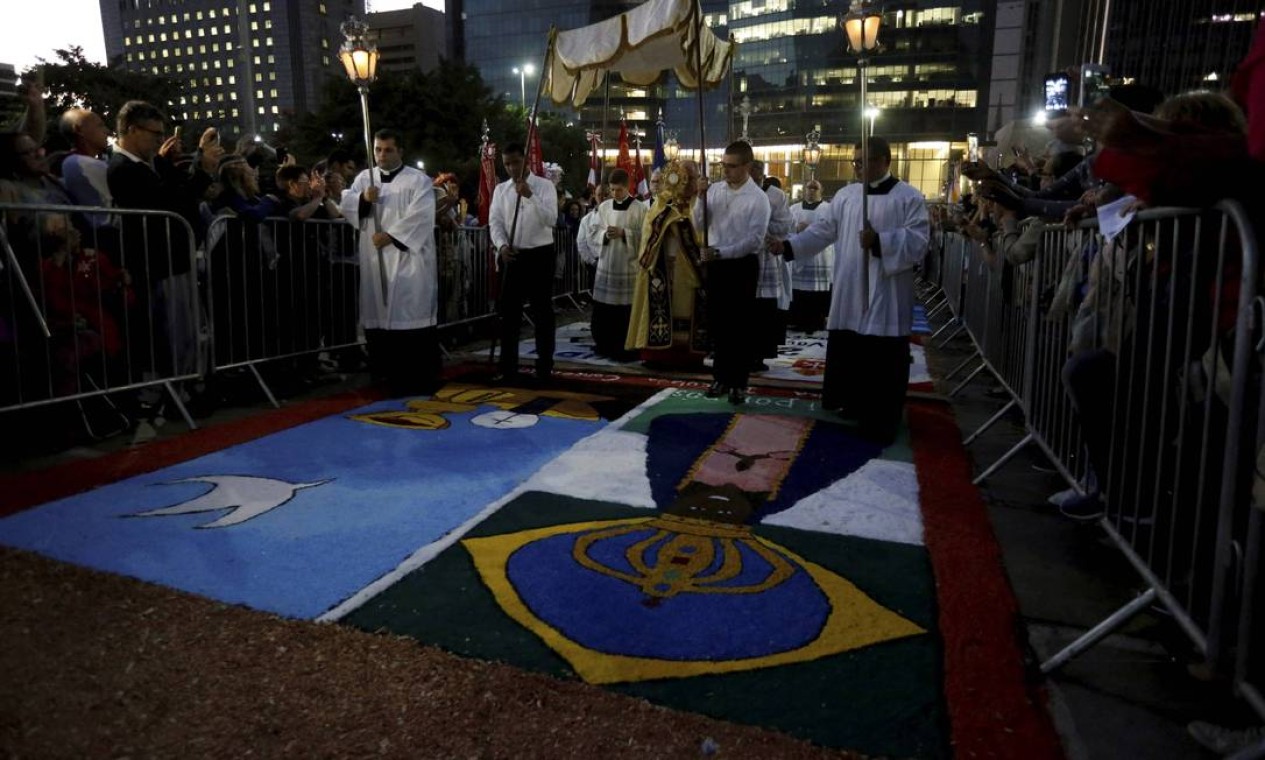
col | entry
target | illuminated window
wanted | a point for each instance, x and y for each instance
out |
(254, 8)
(199, 16)
(321, 9)
(259, 77)
(268, 41)
(274, 110)
(271, 58)
(261, 110)
(233, 111)
(259, 94)
(267, 6)
(272, 93)
(272, 76)
(228, 45)
(232, 79)
(267, 23)
(254, 26)
(210, 13)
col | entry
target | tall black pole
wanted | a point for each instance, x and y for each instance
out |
(702, 128)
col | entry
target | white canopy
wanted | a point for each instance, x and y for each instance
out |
(640, 45)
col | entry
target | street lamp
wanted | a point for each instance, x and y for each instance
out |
(812, 151)
(872, 112)
(360, 60)
(522, 72)
(861, 24)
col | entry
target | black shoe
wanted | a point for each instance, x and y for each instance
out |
(543, 378)
(760, 367)
(716, 390)
(737, 396)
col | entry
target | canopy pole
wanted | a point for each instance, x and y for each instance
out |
(702, 130)
(606, 108)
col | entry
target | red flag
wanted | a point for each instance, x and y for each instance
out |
(637, 180)
(625, 160)
(487, 181)
(535, 156)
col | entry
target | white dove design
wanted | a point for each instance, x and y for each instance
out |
(247, 496)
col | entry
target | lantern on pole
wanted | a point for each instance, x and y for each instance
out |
(360, 60)
(861, 25)
(812, 151)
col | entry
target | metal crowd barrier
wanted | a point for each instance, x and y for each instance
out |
(96, 302)
(1158, 336)
(280, 290)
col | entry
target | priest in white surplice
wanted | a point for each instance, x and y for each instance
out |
(615, 236)
(400, 333)
(867, 357)
(811, 277)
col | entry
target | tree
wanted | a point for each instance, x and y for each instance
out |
(72, 81)
(440, 116)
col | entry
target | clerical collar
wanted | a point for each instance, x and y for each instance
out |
(810, 206)
(387, 176)
(883, 186)
(624, 204)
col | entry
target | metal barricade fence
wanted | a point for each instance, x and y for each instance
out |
(117, 292)
(1140, 376)
(954, 261)
(465, 275)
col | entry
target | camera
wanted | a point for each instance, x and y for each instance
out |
(1094, 85)
(972, 148)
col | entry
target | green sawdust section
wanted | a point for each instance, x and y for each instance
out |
(848, 700)
(685, 401)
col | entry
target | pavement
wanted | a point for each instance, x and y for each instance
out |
(1131, 696)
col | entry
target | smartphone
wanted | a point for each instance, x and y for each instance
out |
(1056, 90)
(176, 132)
(1094, 85)
(972, 148)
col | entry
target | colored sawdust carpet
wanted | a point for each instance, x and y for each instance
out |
(802, 358)
(763, 564)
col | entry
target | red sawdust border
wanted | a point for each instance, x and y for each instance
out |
(994, 711)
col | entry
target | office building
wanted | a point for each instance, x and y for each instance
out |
(1172, 45)
(410, 39)
(927, 85)
(242, 62)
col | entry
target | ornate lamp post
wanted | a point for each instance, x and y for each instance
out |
(812, 152)
(744, 109)
(861, 24)
(872, 112)
(360, 60)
